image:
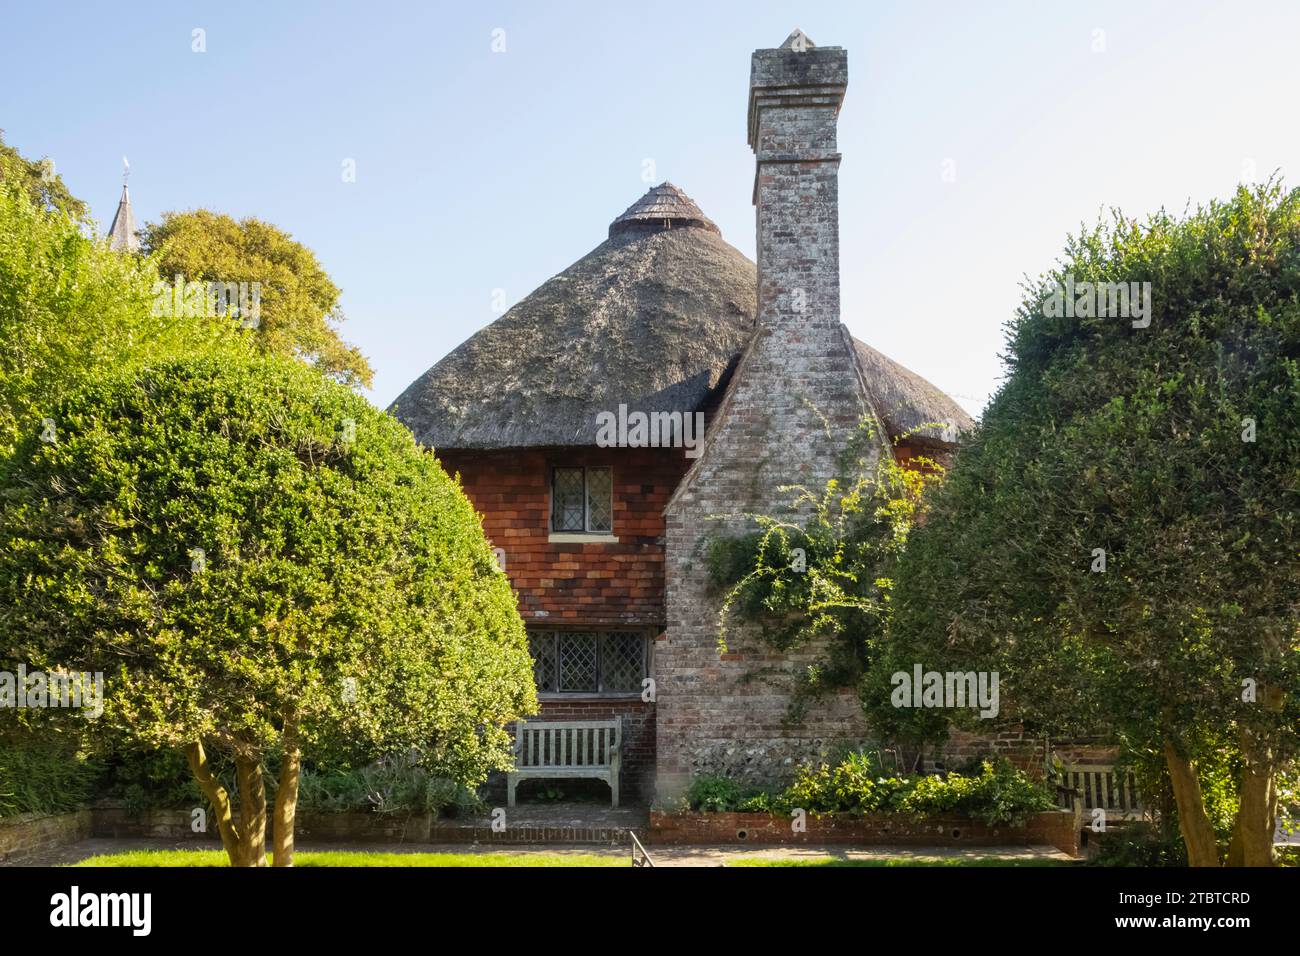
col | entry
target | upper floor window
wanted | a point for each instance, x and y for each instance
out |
(582, 500)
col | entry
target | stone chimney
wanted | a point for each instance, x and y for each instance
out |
(789, 416)
(795, 94)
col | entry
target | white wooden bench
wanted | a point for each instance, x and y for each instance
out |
(1089, 786)
(567, 749)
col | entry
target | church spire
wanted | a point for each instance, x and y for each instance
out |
(121, 235)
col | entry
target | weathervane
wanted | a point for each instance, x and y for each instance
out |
(126, 170)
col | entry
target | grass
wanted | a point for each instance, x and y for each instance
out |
(978, 861)
(354, 858)
(214, 858)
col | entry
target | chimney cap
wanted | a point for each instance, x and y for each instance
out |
(798, 38)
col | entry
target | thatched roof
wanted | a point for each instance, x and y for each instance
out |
(908, 404)
(652, 318)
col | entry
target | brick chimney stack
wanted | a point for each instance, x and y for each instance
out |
(789, 417)
(795, 94)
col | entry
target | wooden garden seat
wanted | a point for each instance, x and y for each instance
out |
(1089, 786)
(566, 748)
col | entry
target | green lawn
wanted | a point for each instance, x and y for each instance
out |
(217, 858)
(351, 858)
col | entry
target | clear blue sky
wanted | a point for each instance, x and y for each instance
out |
(479, 171)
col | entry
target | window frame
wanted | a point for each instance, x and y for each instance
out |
(554, 634)
(586, 529)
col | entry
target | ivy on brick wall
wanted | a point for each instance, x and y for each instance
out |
(823, 582)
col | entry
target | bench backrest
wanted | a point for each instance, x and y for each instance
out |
(567, 743)
(1102, 786)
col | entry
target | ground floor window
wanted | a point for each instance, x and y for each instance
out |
(589, 662)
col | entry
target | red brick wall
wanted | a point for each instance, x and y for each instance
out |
(588, 584)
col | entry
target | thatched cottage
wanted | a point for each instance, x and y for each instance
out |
(602, 540)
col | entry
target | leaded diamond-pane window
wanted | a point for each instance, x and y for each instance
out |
(545, 669)
(582, 500)
(567, 497)
(600, 499)
(576, 662)
(622, 661)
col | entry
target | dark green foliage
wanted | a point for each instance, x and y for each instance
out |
(715, 794)
(344, 577)
(997, 793)
(828, 582)
(155, 780)
(392, 785)
(1136, 441)
(43, 774)
(1138, 844)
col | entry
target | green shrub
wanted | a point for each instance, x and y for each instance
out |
(392, 785)
(761, 802)
(1006, 794)
(1139, 844)
(154, 780)
(997, 794)
(714, 794)
(44, 775)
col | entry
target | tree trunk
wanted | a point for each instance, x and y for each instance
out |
(252, 811)
(1256, 820)
(231, 838)
(1193, 822)
(1254, 824)
(286, 795)
(1236, 851)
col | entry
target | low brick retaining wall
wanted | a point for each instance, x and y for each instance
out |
(1058, 828)
(29, 832)
(25, 834)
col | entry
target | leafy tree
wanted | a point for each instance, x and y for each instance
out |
(70, 309)
(299, 304)
(39, 181)
(261, 563)
(1119, 536)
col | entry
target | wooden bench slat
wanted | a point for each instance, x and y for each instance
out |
(1102, 786)
(584, 748)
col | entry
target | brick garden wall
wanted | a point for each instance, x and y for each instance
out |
(1058, 828)
(30, 832)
